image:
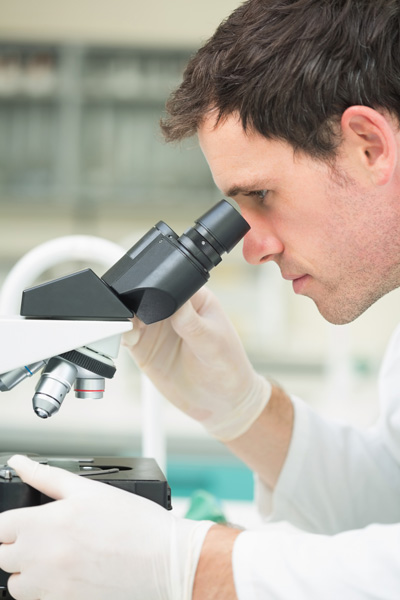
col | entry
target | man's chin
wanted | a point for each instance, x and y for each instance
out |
(340, 314)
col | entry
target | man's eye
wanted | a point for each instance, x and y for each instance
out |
(258, 194)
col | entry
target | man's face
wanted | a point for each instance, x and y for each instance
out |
(333, 234)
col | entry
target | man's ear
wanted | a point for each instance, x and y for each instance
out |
(370, 139)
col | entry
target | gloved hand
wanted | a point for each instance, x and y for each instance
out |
(197, 361)
(95, 543)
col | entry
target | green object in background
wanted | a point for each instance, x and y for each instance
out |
(205, 507)
(229, 480)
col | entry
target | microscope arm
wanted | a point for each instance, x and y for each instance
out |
(27, 341)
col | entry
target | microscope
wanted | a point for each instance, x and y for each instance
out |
(70, 329)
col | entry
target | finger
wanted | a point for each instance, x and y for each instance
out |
(13, 522)
(21, 589)
(9, 559)
(131, 338)
(54, 482)
(199, 299)
(187, 321)
(9, 527)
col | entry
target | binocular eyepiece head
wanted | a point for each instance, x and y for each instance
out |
(162, 270)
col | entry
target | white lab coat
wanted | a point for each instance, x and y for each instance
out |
(340, 488)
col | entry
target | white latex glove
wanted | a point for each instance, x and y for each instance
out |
(95, 542)
(197, 361)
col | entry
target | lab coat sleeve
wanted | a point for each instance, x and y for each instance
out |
(355, 565)
(337, 478)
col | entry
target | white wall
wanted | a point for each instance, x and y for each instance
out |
(156, 22)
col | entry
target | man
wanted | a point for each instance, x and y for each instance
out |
(296, 104)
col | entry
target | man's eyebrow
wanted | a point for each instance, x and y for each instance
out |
(246, 189)
(232, 192)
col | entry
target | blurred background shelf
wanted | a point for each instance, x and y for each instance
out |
(81, 125)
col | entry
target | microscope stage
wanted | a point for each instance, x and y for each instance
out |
(141, 476)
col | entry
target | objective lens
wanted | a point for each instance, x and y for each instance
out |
(89, 387)
(54, 384)
(12, 378)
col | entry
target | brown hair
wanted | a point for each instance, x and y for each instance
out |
(290, 68)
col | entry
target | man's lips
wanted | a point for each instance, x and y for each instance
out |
(292, 277)
(298, 281)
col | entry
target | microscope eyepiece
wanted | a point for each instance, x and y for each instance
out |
(161, 271)
(224, 224)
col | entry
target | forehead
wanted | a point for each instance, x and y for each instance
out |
(237, 157)
(228, 138)
(247, 160)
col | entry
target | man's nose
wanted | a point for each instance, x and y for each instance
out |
(261, 243)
